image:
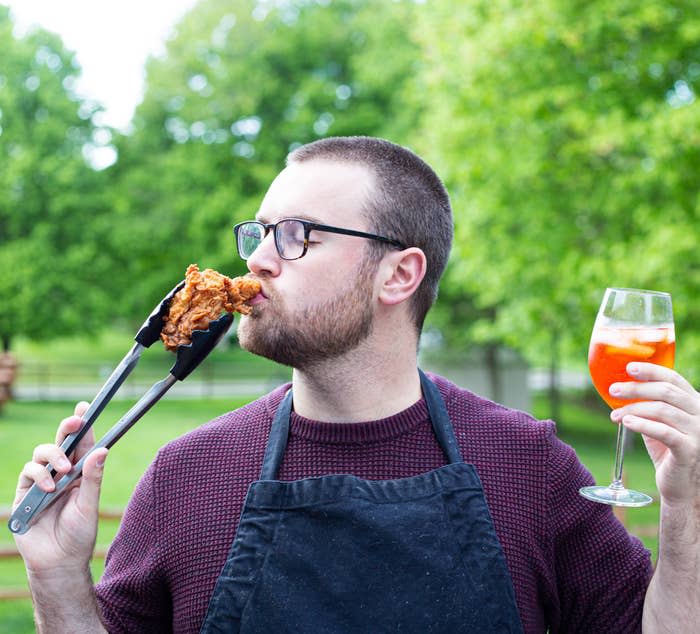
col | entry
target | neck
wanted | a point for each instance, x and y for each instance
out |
(360, 386)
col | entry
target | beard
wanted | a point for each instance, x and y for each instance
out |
(312, 334)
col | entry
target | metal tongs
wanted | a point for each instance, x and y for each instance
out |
(188, 357)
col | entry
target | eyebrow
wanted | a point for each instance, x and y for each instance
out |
(299, 216)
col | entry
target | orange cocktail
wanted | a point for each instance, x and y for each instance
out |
(631, 325)
(612, 348)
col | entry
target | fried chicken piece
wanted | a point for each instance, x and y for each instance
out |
(206, 295)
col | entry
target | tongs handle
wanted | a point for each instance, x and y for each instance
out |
(188, 358)
(107, 391)
(145, 337)
(36, 500)
(33, 499)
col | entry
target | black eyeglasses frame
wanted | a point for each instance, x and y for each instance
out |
(308, 228)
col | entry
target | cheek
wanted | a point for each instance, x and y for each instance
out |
(321, 275)
(317, 284)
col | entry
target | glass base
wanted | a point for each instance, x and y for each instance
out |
(619, 496)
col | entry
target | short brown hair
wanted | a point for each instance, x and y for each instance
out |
(410, 203)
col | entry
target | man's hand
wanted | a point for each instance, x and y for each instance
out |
(58, 547)
(669, 419)
(64, 534)
(668, 416)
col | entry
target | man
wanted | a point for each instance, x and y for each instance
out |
(369, 497)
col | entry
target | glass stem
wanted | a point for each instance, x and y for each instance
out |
(619, 457)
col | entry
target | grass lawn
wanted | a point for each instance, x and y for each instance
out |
(26, 424)
(23, 425)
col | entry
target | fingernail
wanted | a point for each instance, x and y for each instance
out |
(632, 368)
(63, 463)
(615, 416)
(615, 389)
(100, 463)
(47, 483)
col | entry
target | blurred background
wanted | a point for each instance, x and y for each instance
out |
(567, 132)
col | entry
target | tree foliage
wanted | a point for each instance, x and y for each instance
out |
(241, 84)
(50, 256)
(568, 133)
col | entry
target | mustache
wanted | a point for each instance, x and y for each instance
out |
(264, 291)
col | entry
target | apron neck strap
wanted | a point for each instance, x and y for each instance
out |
(442, 426)
(277, 442)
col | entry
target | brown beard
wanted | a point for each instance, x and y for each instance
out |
(316, 333)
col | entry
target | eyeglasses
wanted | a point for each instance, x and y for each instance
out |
(291, 236)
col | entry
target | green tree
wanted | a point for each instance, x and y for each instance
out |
(51, 259)
(568, 134)
(241, 83)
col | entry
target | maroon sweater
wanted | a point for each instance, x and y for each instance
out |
(574, 567)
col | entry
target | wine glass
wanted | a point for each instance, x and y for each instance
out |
(631, 325)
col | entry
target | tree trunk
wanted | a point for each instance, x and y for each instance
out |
(554, 392)
(8, 367)
(494, 373)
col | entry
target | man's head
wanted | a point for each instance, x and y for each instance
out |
(408, 203)
(342, 244)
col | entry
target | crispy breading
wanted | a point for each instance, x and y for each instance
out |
(206, 295)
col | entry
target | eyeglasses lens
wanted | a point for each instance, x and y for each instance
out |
(289, 238)
(250, 235)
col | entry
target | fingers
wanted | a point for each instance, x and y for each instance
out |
(660, 405)
(72, 424)
(667, 409)
(80, 408)
(37, 472)
(671, 437)
(663, 395)
(667, 414)
(31, 473)
(640, 371)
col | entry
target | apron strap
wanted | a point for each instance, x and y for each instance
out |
(277, 442)
(442, 426)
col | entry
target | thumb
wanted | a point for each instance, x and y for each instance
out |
(88, 499)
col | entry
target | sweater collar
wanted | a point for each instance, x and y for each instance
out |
(359, 432)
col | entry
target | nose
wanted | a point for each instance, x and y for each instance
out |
(265, 261)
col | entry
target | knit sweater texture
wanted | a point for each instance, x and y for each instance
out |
(574, 566)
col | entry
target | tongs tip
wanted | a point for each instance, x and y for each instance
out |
(149, 333)
(189, 356)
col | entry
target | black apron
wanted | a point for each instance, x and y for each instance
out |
(340, 554)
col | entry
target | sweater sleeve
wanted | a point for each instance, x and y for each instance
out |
(602, 572)
(132, 594)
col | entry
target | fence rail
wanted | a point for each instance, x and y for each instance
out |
(72, 381)
(81, 381)
(9, 552)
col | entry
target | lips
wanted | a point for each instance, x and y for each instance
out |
(260, 297)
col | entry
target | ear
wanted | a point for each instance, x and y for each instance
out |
(400, 273)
